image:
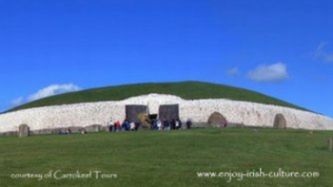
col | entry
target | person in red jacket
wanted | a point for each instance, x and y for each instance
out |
(117, 125)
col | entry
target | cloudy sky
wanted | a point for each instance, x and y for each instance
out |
(281, 48)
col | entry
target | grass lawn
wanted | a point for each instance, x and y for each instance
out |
(148, 158)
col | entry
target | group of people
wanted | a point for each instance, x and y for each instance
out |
(155, 124)
(166, 125)
(125, 126)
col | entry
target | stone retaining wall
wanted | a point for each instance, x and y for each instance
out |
(87, 114)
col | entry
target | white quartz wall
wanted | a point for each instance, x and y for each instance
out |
(85, 114)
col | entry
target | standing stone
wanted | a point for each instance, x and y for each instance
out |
(280, 122)
(24, 130)
(93, 128)
(330, 144)
(217, 120)
(83, 131)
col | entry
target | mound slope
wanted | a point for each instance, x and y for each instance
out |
(187, 90)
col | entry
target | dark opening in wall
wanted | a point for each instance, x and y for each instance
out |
(133, 112)
(169, 112)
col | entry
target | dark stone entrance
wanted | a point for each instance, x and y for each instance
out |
(169, 112)
(133, 112)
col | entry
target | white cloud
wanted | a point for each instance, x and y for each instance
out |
(48, 91)
(54, 89)
(18, 101)
(322, 55)
(233, 71)
(269, 73)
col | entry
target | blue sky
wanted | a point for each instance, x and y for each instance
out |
(281, 48)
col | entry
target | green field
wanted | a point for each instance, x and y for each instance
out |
(185, 90)
(147, 158)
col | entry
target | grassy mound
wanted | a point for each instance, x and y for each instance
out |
(186, 90)
(147, 158)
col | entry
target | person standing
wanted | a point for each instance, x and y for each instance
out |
(137, 126)
(132, 126)
(189, 124)
(180, 123)
(173, 124)
(166, 125)
(117, 126)
(111, 126)
(126, 125)
(159, 124)
(177, 124)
